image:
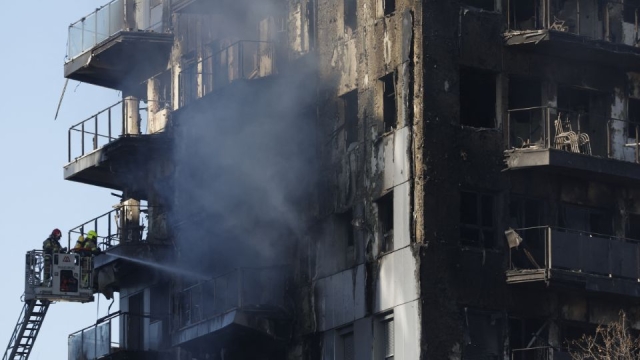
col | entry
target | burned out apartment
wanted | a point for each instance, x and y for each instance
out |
(360, 179)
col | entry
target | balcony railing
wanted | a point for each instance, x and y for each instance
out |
(241, 60)
(95, 28)
(594, 20)
(103, 23)
(578, 132)
(99, 130)
(538, 353)
(111, 334)
(576, 251)
(248, 289)
(115, 227)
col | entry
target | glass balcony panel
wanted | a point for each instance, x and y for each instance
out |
(89, 32)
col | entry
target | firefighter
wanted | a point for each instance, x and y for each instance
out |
(87, 247)
(51, 246)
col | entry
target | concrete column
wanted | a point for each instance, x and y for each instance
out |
(130, 15)
(156, 114)
(131, 115)
(130, 227)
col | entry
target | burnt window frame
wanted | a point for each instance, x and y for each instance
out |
(629, 226)
(479, 226)
(349, 114)
(384, 349)
(388, 86)
(562, 218)
(385, 214)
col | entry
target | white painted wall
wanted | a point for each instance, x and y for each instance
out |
(397, 282)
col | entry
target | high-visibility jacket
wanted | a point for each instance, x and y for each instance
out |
(86, 245)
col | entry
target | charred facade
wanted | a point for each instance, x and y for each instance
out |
(361, 179)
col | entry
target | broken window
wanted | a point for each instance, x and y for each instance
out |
(384, 332)
(630, 11)
(477, 219)
(524, 14)
(350, 117)
(525, 217)
(525, 126)
(345, 346)
(481, 4)
(385, 221)
(350, 15)
(571, 331)
(477, 98)
(579, 218)
(483, 335)
(389, 103)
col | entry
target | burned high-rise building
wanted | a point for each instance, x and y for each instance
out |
(360, 179)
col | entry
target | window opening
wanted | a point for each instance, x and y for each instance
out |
(385, 221)
(630, 11)
(596, 221)
(389, 6)
(477, 98)
(350, 15)
(350, 116)
(389, 103)
(477, 219)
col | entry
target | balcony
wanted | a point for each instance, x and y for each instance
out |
(573, 143)
(574, 259)
(118, 336)
(243, 60)
(598, 31)
(107, 49)
(128, 241)
(245, 302)
(102, 151)
(539, 353)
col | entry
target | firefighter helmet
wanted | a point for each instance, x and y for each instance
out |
(92, 234)
(56, 234)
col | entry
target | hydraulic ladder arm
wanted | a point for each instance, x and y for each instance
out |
(26, 331)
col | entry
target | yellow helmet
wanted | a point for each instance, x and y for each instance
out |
(92, 234)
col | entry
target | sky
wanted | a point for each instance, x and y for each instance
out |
(33, 151)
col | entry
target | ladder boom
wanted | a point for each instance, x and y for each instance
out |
(26, 331)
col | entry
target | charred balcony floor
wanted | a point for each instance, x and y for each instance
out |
(574, 47)
(123, 61)
(119, 164)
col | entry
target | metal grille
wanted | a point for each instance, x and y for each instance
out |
(387, 336)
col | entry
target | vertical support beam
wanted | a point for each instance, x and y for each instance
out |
(607, 23)
(131, 116)
(578, 17)
(130, 221)
(130, 15)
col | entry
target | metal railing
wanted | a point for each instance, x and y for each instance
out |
(533, 353)
(115, 227)
(95, 28)
(245, 59)
(579, 17)
(579, 132)
(104, 22)
(547, 247)
(100, 339)
(100, 129)
(246, 288)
